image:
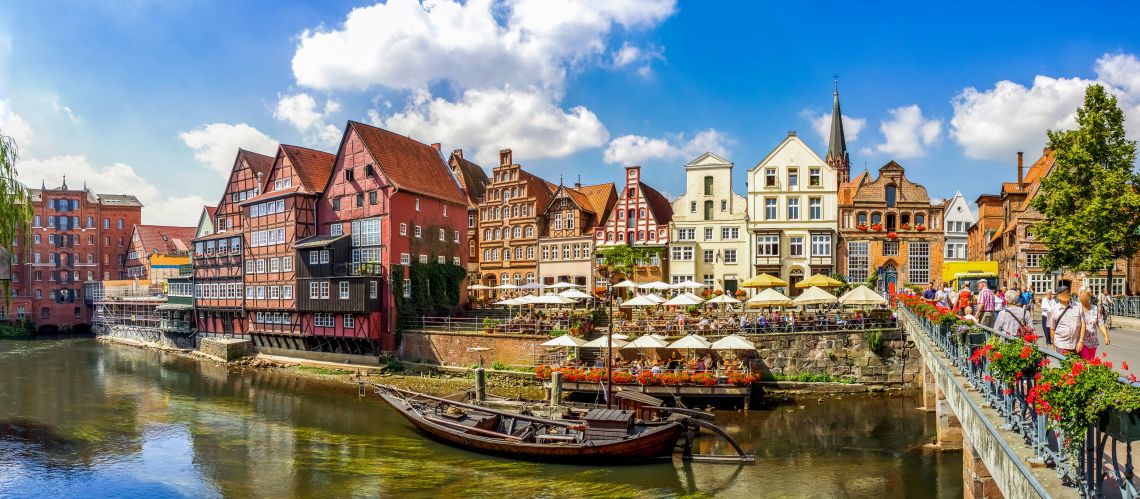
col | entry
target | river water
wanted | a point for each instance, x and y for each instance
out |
(83, 419)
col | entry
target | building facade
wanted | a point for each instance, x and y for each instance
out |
(710, 232)
(640, 219)
(157, 252)
(889, 231)
(274, 221)
(219, 258)
(509, 224)
(566, 243)
(989, 219)
(792, 212)
(474, 182)
(76, 240)
(958, 219)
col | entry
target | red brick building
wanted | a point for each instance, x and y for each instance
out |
(77, 238)
(219, 289)
(389, 199)
(640, 218)
(510, 225)
(274, 221)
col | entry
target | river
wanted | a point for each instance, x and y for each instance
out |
(79, 418)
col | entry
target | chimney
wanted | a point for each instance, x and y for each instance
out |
(505, 157)
(437, 146)
(1020, 169)
(578, 184)
(458, 153)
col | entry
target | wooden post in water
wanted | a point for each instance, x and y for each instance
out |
(480, 384)
(555, 388)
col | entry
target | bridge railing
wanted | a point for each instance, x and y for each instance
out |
(1127, 306)
(1099, 456)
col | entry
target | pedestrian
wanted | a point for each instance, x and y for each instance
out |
(1047, 305)
(987, 304)
(940, 297)
(1000, 301)
(1091, 324)
(1105, 303)
(928, 293)
(1066, 321)
(952, 297)
(947, 299)
(1027, 299)
(1011, 319)
(964, 297)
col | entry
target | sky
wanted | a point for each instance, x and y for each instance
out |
(153, 98)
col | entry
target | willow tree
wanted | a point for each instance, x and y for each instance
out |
(1091, 197)
(15, 211)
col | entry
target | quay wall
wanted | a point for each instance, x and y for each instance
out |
(450, 348)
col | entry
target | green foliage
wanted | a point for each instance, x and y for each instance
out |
(1090, 198)
(807, 378)
(558, 331)
(1072, 398)
(326, 371)
(846, 285)
(1009, 360)
(394, 366)
(872, 279)
(490, 324)
(15, 210)
(434, 288)
(17, 329)
(874, 339)
(622, 259)
(499, 366)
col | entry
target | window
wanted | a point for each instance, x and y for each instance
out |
(723, 205)
(343, 290)
(769, 208)
(793, 178)
(405, 259)
(890, 248)
(366, 232)
(821, 245)
(349, 176)
(287, 264)
(274, 292)
(919, 219)
(708, 233)
(918, 262)
(708, 185)
(858, 261)
(708, 210)
(419, 231)
(323, 320)
(314, 258)
(815, 208)
(120, 223)
(442, 235)
(1032, 259)
(417, 204)
(686, 234)
(260, 265)
(768, 245)
(708, 256)
(891, 194)
(275, 265)
(423, 258)
(692, 207)
(373, 198)
(709, 280)
(470, 220)
(814, 177)
(324, 256)
(770, 177)
(729, 233)
(795, 245)
(106, 222)
(793, 208)
(1040, 283)
(373, 286)
(348, 321)
(324, 290)
(682, 253)
(336, 203)
(407, 288)
(729, 256)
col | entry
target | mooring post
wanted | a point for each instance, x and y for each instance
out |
(480, 384)
(555, 388)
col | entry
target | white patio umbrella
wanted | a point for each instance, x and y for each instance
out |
(814, 296)
(655, 285)
(723, 299)
(553, 299)
(626, 284)
(862, 295)
(656, 297)
(689, 284)
(602, 343)
(733, 342)
(639, 301)
(478, 286)
(564, 285)
(647, 341)
(769, 298)
(510, 302)
(684, 300)
(575, 293)
(565, 341)
(655, 335)
(690, 342)
(526, 300)
(506, 286)
(692, 296)
(620, 336)
(532, 285)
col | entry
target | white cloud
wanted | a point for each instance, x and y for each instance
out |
(118, 178)
(908, 134)
(821, 125)
(629, 55)
(12, 125)
(404, 44)
(995, 123)
(626, 55)
(59, 107)
(485, 121)
(216, 145)
(637, 149)
(300, 110)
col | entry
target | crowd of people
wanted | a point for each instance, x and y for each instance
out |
(1069, 326)
(753, 323)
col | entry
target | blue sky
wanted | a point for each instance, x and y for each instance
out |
(154, 97)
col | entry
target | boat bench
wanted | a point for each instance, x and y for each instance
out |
(556, 438)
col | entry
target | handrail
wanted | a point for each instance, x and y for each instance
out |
(1011, 402)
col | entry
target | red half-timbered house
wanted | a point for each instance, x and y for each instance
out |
(219, 299)
(640, 219)
(274, 221)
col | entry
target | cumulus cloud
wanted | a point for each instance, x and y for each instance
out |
(405, 44)
(488, 120)
(117, 178)
(637, 149)
(821, 125)
(300, 110)
(908, 133)
(216, 145)
(13, 125)
(993, 124)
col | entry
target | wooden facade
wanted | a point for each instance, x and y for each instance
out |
(509, 224)
(566, 244)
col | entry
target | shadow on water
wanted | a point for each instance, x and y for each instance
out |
(124, 418)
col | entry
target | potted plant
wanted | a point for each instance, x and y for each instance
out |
(1010, 361)
(904, 226)
(575, 327)
(892, 235)
(740, 294)
(861, 226)
(489, 325)
(1080, 394)
(920, 227)
(876, 227)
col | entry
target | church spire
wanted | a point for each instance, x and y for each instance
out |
(837, 155)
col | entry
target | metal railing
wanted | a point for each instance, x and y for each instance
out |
(671, 328)
(476, 323)
(1126, 306)
(1095, 462)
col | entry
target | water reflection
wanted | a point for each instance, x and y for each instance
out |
(77, 414)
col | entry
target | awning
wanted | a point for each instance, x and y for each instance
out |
(175, 306)
(318, 242)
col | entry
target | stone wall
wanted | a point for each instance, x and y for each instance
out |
(450, 348)
(843, 353)
(226, 349)
(148, 335)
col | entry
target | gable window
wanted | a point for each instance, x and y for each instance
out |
(360, 200)
(793, 178)
(373, 198)
(708, 185)
(336, 203)
(770, 177)
(708, 210)
(349, 176)
(891, 196)
(814, 177)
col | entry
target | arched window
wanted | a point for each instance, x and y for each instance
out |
(517, 232)
(530, 277)
(505, 278)
(530, 253)
(861, 218)
(518, 279)
(518, 254)
(876, 218)
(486, 255)
(506, 254)
(515, 211)
(514, 192)
(498, 234)
(891, 195)
(919, 219)
(494, 255)
(530, 231)
(487, 234)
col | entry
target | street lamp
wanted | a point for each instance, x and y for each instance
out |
(605, 272)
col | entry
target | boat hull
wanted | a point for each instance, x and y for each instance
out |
(653, 444)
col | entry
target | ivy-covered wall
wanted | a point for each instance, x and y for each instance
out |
(435, 288)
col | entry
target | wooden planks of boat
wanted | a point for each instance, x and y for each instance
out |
(611, 438)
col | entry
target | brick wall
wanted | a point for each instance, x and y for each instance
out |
(451, 348)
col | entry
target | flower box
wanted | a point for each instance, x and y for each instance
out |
(1121, 425)
(904, 226)
(920, 227)
(862, 227)
(877, 227)
(892, 235)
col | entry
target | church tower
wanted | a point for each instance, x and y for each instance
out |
(837, 155)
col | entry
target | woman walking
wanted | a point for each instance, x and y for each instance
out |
(1091, 324)
(1013, 318)
(1048, 303)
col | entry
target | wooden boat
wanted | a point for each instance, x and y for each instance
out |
(603, 436)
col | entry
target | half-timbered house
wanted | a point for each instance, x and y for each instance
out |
(640, 219)
(566, 245)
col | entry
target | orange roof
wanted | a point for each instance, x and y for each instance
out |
(601, 197)
(271, 195)
(312, 166)
(1040, 167)
(211, 211)
(164, 239)
(259, 163)
(409, 164)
